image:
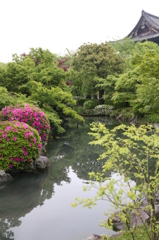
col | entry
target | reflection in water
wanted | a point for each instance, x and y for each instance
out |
(20, 198)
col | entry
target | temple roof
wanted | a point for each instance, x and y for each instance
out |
(147, 28)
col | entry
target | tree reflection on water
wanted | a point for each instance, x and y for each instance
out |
(29, 190)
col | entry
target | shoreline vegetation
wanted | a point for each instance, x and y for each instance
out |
(119, 80)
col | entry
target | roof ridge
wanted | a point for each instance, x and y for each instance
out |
(149, 20)
(149, 14)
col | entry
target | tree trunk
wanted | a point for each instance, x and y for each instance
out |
(101, 100)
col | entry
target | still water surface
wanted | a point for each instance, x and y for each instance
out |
(38, 206)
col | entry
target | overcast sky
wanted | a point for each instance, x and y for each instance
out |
(60, 24)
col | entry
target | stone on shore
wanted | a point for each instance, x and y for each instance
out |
(41, 162)
(5, 177)
(137, 218)
(93, 237)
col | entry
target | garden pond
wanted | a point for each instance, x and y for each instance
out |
(38, 206)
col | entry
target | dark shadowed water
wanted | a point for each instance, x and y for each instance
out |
(38, 206)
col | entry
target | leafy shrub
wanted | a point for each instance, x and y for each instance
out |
(81, 101)
(31, 115)
(121, 105)
(90, 103)
(5, 98)
(108, 102)
(19, 144)
(153, 118)
(104, 106)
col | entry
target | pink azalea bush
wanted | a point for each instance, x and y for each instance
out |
(19, 144)
(31, 115)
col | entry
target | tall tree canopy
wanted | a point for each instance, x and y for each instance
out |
(37, 78)
(138, 85)
(93, 61)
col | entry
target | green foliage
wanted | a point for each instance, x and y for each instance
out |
(36, 79)
(5, 98)
(153, 118)
(139, 234)
(130, 157)
(108, 85)
(108, 102)
(124, 47)
(19, 144)
(147, 93)
(29, 114)
(81, 101)
(56, 103)
(2, 64)
(138, 85)
(95, 60)
(128, 49)
(104, 106)
(90, 103)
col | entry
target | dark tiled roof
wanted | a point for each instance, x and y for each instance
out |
(148, 37)
(151, 19)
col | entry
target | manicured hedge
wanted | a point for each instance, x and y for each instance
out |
(19, 144)
(90, 104)
(31, 115)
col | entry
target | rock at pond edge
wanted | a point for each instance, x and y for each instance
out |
(42, 162)
(5, 177)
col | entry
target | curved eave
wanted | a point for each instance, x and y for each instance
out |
(146, 16)
(131, 33)
(150, 21)
(144, 38)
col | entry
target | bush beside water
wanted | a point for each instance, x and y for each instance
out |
(90, 104)
(19, 144)
(31, 115)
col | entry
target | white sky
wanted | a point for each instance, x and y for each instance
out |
(60, 24)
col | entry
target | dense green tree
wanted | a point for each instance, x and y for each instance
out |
(5, 98)
(147, 94)
(129, 152)
(143, 68)
(96, 60)
(37, 78)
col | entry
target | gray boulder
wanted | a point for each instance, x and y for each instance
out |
(29, 167)
(156, 125)
(5, 177)
(137, 217)
(41, 162)
(93, 237)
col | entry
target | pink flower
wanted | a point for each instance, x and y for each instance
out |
(25, 153)
(10, 165)
(4, 135)
(29, 160)
(8, 128)
(26, 135)
(34, 140)
(39, 145)
(14, 139)
(7, 139)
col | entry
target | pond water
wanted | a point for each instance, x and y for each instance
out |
(38, 206)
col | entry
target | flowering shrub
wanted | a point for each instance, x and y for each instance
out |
(19, 143)
(31, 115)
